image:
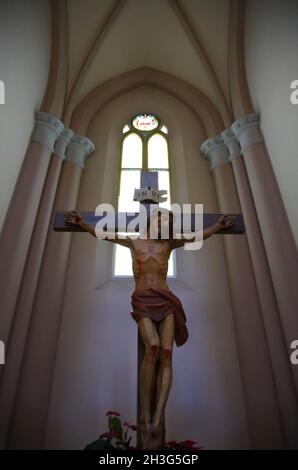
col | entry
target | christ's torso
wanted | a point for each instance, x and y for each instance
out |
(150, 263)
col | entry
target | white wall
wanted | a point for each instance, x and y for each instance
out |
(271, 53)
(97, 353)
(24, 63)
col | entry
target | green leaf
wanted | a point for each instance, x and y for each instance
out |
(116, 425)
(99, 444)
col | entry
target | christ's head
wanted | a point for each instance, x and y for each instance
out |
(160, 224)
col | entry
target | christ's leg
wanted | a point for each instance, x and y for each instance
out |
(166, 334)
(151, 342)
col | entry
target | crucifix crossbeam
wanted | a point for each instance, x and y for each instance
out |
(208, 219)
(149, 188)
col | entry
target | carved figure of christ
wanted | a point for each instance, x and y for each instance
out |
(158, 312)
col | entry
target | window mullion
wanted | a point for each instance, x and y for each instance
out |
(145, 154)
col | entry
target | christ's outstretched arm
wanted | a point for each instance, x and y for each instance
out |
(75, 218)
(224, 221)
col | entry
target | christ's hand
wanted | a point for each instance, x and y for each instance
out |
(226, 221)
(73, 218)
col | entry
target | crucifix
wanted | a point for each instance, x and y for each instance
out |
(156, 329)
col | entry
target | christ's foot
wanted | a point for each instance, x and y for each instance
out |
(157, 436)
(145, 434)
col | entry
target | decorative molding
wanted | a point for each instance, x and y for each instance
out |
(210, 143)
(231, 143)
(47, 129)
(79, 149)
(215, 150)
(247, 130)
(62, 143)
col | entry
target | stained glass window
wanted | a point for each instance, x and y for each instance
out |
(145, 122)
(147, 151)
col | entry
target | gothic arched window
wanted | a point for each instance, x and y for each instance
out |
(144, 146)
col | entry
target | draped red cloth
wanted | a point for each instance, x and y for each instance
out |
(156, 304)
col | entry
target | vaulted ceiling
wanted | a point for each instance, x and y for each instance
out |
(185, 38)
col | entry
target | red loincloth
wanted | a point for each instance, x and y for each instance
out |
(156, 304)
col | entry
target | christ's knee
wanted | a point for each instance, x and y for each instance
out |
(166, 354)
(152, 352)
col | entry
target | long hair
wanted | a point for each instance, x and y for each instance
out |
(166, 215)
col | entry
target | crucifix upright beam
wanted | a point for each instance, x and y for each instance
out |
(149, 180)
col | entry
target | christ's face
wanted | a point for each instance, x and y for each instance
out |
(161, 224)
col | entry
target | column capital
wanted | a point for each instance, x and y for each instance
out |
(215, 150)
(79, 149)
(47, 129)
(247, 130)
(62, 143)
(231, 143)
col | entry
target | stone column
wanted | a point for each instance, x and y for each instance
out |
(32, 401)
(276, 342)
(263, 414)
(21, 214)
(15, 348)
(277, 235)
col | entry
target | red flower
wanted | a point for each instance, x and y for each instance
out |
(188, 444)
(171, 443)
(112, 413)
(130, 426)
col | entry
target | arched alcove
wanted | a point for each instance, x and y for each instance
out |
(191, 96)
(98, 338)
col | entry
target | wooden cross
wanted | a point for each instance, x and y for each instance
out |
(148, 179)
(149, 182)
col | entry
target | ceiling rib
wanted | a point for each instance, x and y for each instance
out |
(203, 57)
(91, 53)
(239, 92)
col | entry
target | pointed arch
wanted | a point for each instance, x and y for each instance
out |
(207, 113)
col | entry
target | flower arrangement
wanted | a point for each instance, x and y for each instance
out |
(118, 437)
